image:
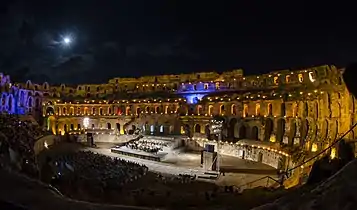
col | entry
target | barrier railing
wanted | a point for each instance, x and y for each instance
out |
(270, 182)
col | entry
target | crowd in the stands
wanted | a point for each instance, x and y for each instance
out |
(17, 139)
(88, 171)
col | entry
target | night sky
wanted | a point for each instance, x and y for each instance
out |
(149, 37)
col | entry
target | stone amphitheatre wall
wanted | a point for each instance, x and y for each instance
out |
(307, 108)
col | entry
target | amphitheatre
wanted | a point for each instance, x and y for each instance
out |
(171, 141)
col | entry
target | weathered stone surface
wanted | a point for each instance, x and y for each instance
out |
(338, 192)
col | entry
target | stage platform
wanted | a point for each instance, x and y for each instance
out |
(138, 154)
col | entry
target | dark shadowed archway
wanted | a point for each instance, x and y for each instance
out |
(280, 130)
(269, 126)
(207, 131)
(304, 129)
(242, 132)
(292, 133)
(254, 134)
(197, 128)
(232, 125)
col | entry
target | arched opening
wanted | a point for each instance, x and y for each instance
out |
(118, 126)
(304, 129)
(138, 110)
(197, 128)
(242, 132)
(50, 111)
(71, 110)
(257, 109)
(231, 128)
(221, 109)
(152, 129)
(207, 131)
(109, 126)
(306, 110)
(72, 127)
(37, 102)
(270, 109)
(109, 110)
(30, 102)
(280, 130)
(245, 110)
(199, 109)
(65, 127)
(147, 109)
(260, 157)
(64, 111)
(210, 110)
(10, 103)
(282, 110)
(101, 111)
(269, 126)
(295, 110)
(161, 129)
(233, 109)
(157, 109)
(127, 110)
(254, 134)
(292, 134)
(324, 130)
(79, 126)
(94, 111)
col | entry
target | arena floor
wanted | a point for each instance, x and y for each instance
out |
(237, 171)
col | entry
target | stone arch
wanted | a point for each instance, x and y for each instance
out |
(233, 109)
(207, 131)
(242, 132)
(10, 103)
(268, 130)
(280, 130)
(197, 128)
(245, 110)
(304, 129)
(231, 128)
(270, 109)
(29, 101)
(210, 109)
(221, 109)
(257, 109)
(109, 126)
(306, 110)
(37, 102)
(292, 133)
(50, 110)
(324, 130)
(28, 84)
(255, 133)
(282, 109)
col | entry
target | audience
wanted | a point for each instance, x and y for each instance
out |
(89, 171)
(17, 140)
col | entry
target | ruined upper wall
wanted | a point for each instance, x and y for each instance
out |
(231, 80)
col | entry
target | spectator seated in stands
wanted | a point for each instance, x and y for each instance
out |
(17, 140)
(90, 171)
